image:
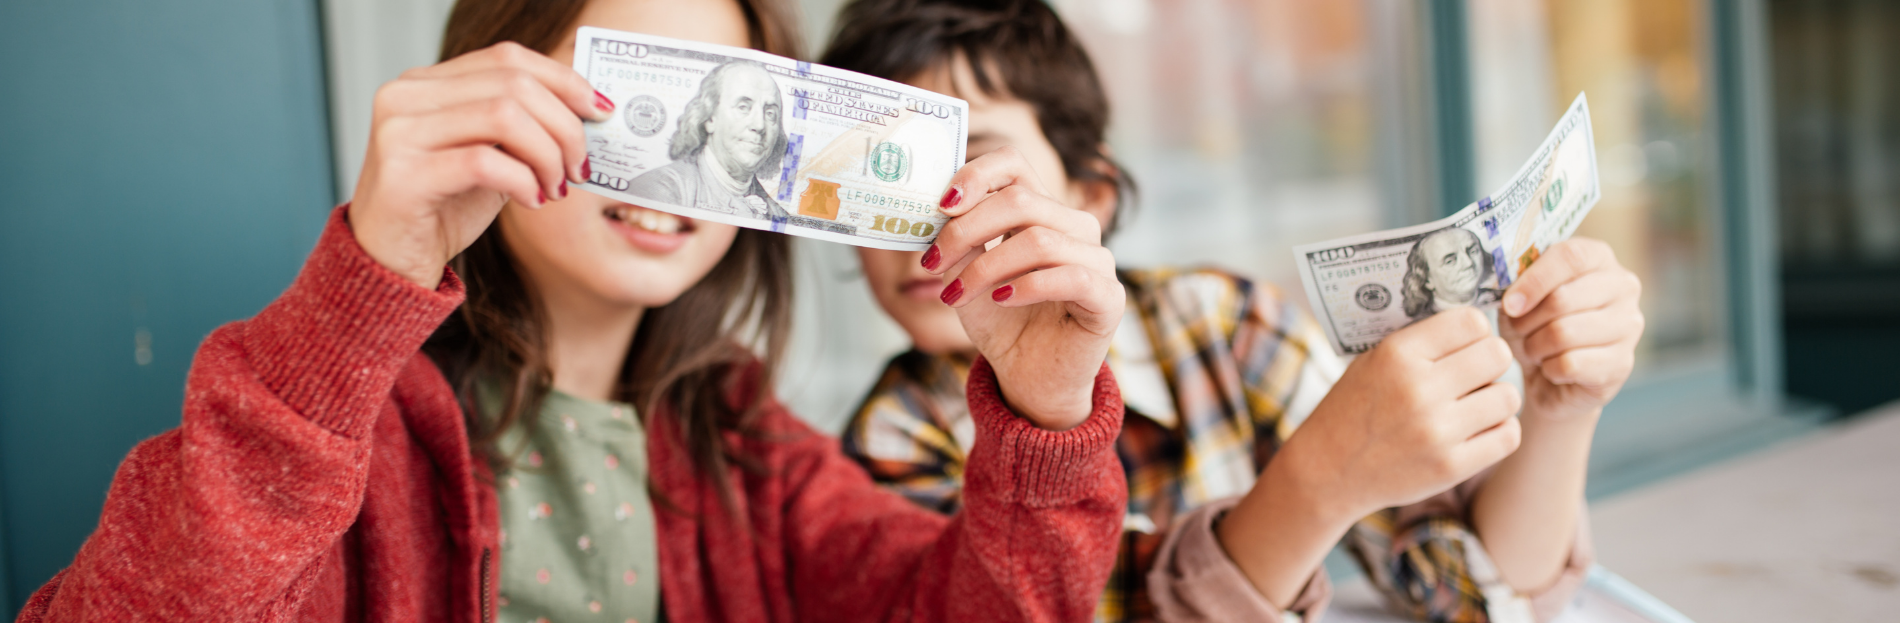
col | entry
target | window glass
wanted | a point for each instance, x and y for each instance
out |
(1836, 90)
(1250, 126)
(1641, 65)
(1837, 120)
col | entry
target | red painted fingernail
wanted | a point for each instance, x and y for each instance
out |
(601, 102)
(563, 191)
(932, 257)
(1002, 294)
(587, 170)
(952, 292)
(540, 197)
(950, 198)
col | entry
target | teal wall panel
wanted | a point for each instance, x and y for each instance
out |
(166, 169)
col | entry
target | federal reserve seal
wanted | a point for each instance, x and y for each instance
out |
(645, 115)
(1372, 297)
(889, 162)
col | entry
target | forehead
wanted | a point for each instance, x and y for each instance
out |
(1448, 240)
(746, 80)
(997, 117)
(956, 77)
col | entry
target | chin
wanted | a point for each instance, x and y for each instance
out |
(638, 283)
(937, 334)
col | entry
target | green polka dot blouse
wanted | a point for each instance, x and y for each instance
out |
(577, 541)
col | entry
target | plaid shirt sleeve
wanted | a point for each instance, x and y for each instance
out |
(904, 432)
(1286, 362)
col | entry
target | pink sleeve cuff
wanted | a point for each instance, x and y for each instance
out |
(1194, 580)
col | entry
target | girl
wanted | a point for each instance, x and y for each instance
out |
(1409, 450)
(585, 435)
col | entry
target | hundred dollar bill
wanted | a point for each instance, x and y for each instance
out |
(1367, 286)
(746, 138)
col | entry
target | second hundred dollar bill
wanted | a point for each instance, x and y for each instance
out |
(1367, 286)
(746, 138)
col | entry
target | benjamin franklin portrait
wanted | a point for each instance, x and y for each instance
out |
(730, 135)
(1447, 268)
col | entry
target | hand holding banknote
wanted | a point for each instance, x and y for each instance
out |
(1573, 322)
(1364, 287)
(1412, 417)
(1418, 414)
(1040, 305)
(434, 179)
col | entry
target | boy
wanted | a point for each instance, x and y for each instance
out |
(1410, 451)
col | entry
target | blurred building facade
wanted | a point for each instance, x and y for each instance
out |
(1750, 152)
(1836, 69)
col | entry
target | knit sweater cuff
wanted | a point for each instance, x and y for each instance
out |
(331, 346)
(1040, 467)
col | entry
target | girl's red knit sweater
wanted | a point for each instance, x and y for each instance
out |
(322, 472)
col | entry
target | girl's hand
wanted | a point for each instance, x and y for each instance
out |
(451, 143)
(1042, 304)
(1572, 321)
(1418, 414)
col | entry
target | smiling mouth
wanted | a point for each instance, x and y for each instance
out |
(650, 220)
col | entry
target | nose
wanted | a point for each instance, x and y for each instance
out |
(755, 120)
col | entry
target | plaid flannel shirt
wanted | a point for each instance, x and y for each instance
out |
(1217, 372)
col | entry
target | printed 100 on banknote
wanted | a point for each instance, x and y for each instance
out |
(746, 138)
(1364, 287)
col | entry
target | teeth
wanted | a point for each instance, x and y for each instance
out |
(650, 220)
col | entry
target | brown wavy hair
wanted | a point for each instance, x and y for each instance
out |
(1017, 48)
(686, 356)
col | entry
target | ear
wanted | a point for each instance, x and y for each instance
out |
(1098, 197)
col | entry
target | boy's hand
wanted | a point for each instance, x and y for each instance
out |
(1042, 304)
(1413, 417)
(1572, 321)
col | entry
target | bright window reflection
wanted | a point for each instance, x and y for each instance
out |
(1249, 125)
(1640, 63)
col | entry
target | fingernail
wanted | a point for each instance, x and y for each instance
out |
(1002, 294)
(1513, 303)
(950, 198)
(587, 170)
(932, 257)
(952, 292)
(563, 191)
(540, 197)
(601, 102)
